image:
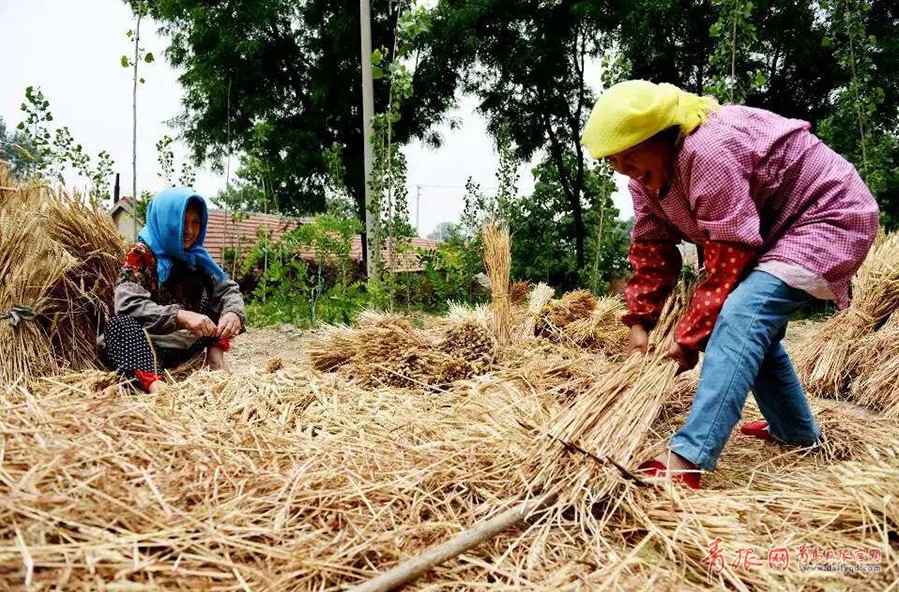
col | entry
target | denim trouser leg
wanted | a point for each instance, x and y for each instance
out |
(781, 400)
(744, 351)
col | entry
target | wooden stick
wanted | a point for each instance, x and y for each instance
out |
(483, 531)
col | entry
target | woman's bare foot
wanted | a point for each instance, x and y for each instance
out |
(673, 466)
(215, 358)
(156, 386)
(676, 463)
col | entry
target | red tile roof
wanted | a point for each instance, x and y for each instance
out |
(239, 230)
(407, 261)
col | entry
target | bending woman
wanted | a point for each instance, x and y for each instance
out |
(781, 218)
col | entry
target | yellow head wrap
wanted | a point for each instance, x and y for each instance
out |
(635, 110)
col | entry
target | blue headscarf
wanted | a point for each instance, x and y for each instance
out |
(164, 233)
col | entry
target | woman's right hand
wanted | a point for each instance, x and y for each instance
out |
(197, 323)
(639, 340)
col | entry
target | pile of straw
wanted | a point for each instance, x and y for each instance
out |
(284, 481)
(320, 472)
(877, 364)
(846, 506)
(387, 350)
(581, 319)
(825, 360)
(296, 480)
(288, 478)
(59, 256)
(608, 427)
(540, 296)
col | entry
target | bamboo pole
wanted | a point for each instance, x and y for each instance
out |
(479, 533)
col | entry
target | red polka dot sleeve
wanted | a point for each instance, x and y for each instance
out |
(656, 266)
(724, 264)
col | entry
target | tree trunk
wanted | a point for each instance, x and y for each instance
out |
(572, 190)
(134, 195)
(579, 233)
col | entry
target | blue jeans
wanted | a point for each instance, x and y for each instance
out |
(743, 353)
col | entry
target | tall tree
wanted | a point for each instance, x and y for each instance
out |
(279, 80)
(544, 246)
(531, 77)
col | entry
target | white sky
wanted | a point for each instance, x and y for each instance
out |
(72, 50)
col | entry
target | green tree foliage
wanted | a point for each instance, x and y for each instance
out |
(858, 127)
(822, 61)
(39, 150)
(543, 245)
(17, 151)
(294, 290)
(531, 76)
(279, 80)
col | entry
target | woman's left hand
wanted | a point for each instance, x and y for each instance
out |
(686, 359)
(229, 326)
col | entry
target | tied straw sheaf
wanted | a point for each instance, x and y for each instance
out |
(320, 474)
(829, 359)
(59, 260)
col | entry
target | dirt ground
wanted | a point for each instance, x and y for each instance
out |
(259, 345)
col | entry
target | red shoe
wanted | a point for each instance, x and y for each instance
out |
(655, 468)
(757, 429)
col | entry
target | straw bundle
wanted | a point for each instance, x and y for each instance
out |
(86, 232)
(824, 361)
(518, 292)
(498, 262)
(877, 361)
(540, 296)
(581, 319)
(609, 423)
(462, 312)
(471, 343)
(32, 269)
(59, 256)
(386, 350)
(602, 329)
(573, 306)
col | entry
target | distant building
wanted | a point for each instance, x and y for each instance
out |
(235, 233)
(224, 230)
(405, 262)
(122, 213)
(239, 231)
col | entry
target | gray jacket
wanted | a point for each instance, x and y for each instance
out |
(138, 295)
(133, 300)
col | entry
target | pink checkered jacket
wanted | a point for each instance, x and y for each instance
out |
(758, 183)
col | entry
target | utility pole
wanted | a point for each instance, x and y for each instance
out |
(368, 112)
(417, 208)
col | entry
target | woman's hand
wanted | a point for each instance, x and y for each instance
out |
(639, 340)
(686, 359)
(197, 323)
(229, 326)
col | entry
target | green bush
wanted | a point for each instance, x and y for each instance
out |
(300, 292)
